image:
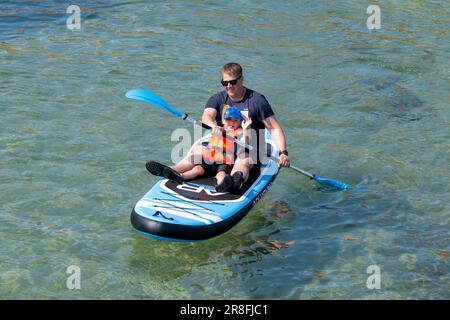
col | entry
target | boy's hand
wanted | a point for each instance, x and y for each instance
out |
(217, 131)
(246, 123)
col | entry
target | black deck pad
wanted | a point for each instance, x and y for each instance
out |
(193, 189)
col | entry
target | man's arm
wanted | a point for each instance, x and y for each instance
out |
(272, 124)
(209, 117)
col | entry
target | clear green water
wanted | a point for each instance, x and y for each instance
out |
(369, 107)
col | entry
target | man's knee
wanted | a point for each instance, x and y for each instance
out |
(199, 170)
(243, 164)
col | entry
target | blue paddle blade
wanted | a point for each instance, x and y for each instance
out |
(150, 97)
(332, 183)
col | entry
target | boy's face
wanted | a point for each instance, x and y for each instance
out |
(232, 123)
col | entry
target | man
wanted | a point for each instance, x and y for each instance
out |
(252, 105)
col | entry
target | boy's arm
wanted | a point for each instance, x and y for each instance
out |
(246, 130)
(245, 134)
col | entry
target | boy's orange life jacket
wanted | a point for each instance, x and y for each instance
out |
(220, 149)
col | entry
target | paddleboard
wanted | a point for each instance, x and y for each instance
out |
(194, 211)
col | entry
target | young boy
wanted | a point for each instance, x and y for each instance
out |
(218, 157)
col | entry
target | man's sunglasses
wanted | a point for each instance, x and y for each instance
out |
(232, 82)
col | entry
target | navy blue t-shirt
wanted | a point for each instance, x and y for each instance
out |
(253, 105)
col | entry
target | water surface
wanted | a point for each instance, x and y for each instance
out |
(369, 107)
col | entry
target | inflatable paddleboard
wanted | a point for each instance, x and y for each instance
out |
(193, 210)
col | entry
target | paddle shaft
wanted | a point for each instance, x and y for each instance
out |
(204, 125)
(296, 169)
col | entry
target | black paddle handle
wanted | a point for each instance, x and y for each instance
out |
(204, 125)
